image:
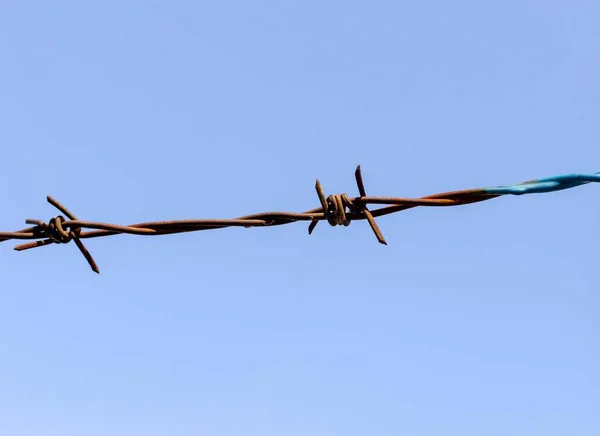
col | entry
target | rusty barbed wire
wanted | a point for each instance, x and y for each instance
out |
(336, 209)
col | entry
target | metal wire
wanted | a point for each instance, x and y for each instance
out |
(336, 209)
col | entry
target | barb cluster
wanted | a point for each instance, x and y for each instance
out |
(336, 209)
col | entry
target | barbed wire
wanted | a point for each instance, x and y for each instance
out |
(336, 209)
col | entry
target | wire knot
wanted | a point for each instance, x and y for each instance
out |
(55, 231)
(340, 210)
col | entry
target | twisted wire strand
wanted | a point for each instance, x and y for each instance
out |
(336, 209)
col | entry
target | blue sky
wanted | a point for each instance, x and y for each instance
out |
(475, 320)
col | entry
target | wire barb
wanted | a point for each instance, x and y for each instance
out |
(339, 209)
(336, 209)
(365, 209)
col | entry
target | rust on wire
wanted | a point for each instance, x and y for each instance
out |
(336, 209)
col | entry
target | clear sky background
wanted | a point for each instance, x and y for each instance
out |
(475, 320)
